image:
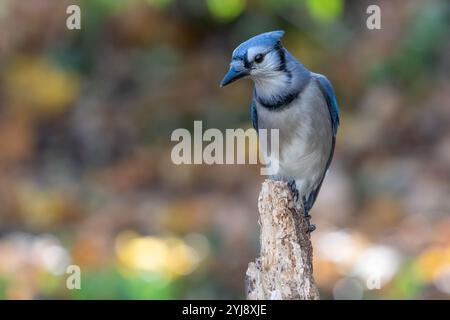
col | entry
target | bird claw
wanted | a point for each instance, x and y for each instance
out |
(292, 186)
(311, 227)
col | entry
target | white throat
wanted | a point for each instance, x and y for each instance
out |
(269, 86)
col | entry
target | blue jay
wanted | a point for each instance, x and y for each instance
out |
(299, 103)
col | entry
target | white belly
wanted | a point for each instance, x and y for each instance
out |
(305, 138)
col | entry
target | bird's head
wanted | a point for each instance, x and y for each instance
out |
(259, 57)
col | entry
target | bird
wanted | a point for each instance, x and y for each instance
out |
(299, 103)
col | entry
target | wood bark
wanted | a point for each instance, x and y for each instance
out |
(284, 269)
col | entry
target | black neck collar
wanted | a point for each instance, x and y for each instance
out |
(280, 102)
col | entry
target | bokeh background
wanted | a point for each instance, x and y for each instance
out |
(86, 176)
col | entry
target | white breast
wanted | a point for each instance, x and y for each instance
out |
(305, 137)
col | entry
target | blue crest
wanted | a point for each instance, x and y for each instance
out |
(267, 39)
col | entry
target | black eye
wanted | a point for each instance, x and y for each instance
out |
(259, 58)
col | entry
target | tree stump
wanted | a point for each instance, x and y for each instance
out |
(284, 270)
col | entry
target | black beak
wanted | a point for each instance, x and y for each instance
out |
(233, 75)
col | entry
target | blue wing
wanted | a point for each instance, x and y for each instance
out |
(254, 115)
(330, 97)
(328, 93)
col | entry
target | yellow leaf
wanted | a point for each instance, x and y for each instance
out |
(40, 85)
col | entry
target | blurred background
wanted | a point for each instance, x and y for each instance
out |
(86, 176)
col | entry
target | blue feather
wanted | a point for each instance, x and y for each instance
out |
(268, 39)
(254, 115)
(328, 92)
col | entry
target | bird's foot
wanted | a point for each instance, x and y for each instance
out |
(294, 190)
(292, 186)
(311, 227)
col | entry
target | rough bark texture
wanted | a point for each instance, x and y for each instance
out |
(284, 269)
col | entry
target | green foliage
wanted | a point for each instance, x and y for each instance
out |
(407, 285)
(415, 55)
(112, 284)
(160, 4)
(325, 11)
(3, 286)
(226, 10)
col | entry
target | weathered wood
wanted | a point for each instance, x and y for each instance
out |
(284, 269)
